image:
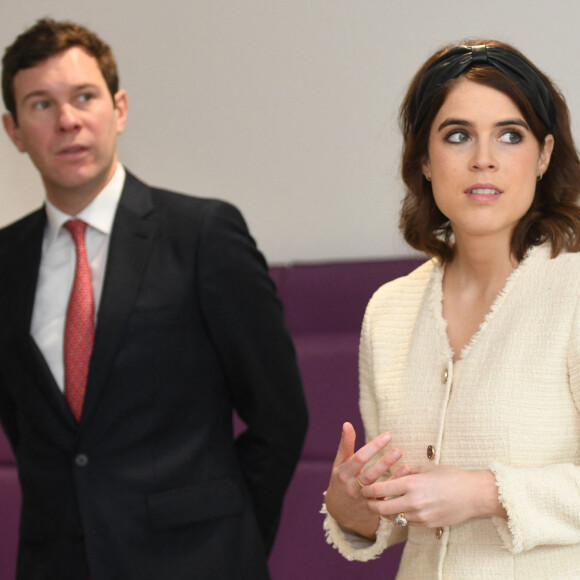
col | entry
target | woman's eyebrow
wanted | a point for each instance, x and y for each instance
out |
(465, 123)
(460, 122)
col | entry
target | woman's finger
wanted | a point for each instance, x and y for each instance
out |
(381, 467)
(346, 445)
(366, 453)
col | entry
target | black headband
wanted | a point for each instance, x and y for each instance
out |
(458, 60)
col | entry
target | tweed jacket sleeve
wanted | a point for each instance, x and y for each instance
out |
(392, 347)
(543, 503)
(352, 546)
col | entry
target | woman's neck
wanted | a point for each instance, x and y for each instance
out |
(483, 262)
(471, 283)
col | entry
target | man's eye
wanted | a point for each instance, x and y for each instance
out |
(40, 105)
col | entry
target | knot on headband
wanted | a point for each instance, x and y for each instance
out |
(479, 54)
(459, 59)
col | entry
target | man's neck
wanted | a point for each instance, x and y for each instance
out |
(73, 200)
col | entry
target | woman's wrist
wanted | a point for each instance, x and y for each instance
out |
(486, 499)
(367, 527)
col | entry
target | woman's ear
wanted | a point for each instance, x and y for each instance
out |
(545, 154)
(426, 168)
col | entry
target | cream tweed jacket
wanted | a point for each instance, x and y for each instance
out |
(511, 403)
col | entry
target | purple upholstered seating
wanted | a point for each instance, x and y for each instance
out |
(9, 510)
(324, 306)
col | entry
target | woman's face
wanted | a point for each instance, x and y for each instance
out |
(483, 161)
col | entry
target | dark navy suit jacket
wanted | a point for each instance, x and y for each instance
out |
(151, 483)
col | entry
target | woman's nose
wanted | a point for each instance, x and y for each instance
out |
(483, 157)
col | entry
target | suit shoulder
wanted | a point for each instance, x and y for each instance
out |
(204, 212)
(20, 229)
(180, 211)
(172, 197)
(184, 202)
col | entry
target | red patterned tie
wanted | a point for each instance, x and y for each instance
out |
(79, 331)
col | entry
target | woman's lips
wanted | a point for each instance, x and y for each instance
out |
(483, 191)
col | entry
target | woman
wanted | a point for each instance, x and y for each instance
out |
(472, 362)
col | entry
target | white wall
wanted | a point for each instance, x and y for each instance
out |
(288, 108)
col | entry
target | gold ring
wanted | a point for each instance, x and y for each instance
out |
(401, 520)
(358, 481)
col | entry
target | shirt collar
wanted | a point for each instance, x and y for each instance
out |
(99, 214)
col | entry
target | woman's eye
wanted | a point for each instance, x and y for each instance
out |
(457, 137)
(511, 137)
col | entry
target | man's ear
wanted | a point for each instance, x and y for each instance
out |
(12, 131)
(121, 107)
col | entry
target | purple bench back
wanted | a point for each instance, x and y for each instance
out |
(9, 510)
(6, 456)
(324, 306)
(330, 298)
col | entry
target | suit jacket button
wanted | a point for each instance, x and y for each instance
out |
(430, 452)
(81, 460)
(439, 533)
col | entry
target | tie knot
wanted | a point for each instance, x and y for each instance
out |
(77, 229)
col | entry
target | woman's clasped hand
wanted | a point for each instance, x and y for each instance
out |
(428, 495)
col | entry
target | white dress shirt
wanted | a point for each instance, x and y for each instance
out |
(57, 269)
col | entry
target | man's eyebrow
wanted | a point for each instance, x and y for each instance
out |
(34, 94)
(45, 92)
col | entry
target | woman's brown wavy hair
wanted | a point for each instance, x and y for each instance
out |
(554, 215)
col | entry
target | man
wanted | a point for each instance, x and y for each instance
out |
(132, 321)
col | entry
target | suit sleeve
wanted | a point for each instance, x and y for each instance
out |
(245, 320)
(8, 416)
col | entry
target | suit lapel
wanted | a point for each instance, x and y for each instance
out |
(134, 230)
(25, 261)
(25, 255)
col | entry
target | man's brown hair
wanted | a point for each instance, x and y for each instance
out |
(48, 38)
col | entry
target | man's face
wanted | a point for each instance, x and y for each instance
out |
(68, 124)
